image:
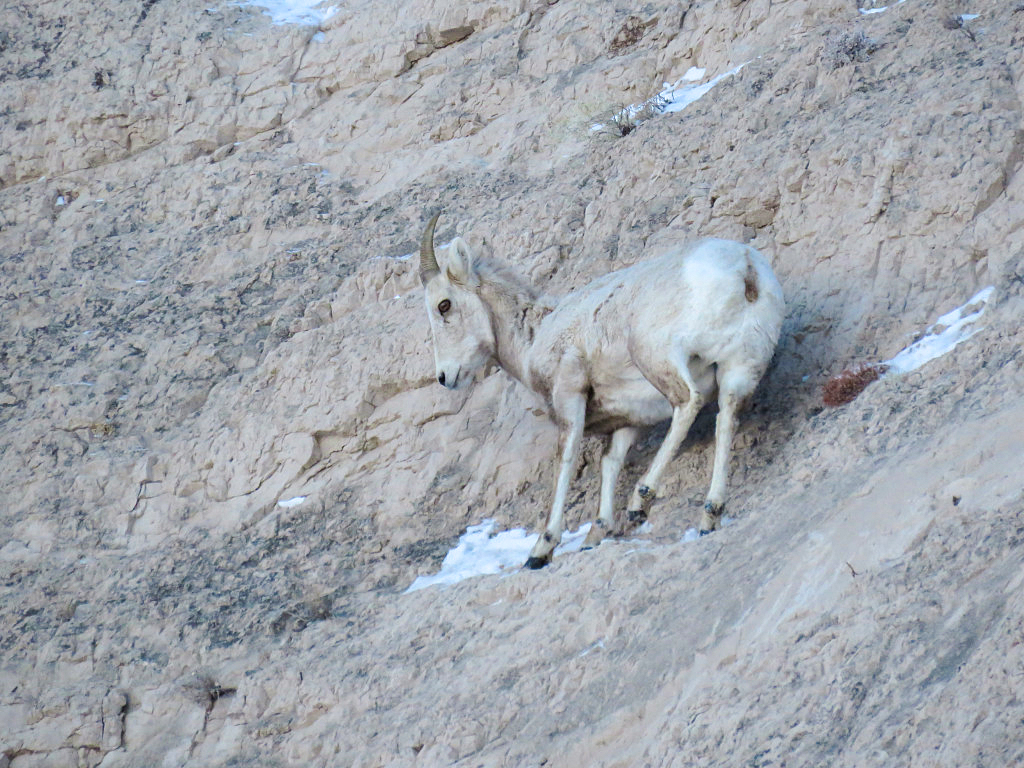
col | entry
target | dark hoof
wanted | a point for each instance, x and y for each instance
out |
(536, 563)
(715, 510)
(637, 516)
(705, 533)
(645, 492)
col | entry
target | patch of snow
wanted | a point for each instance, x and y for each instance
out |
(308, 12)
(673, 97)
(678, 96)
(866, 11)
(61, 200)
(594, 647)
(943, 335)
(692, 534)
(293, 502)
(965, 17)
(481, 552)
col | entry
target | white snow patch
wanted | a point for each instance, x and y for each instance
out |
(965, 17)
(293, 502)
(679, 96)
(308, 12)
(880, 9)
(673, 97)
(692, 534)
(598, 645)
(481, 552)
(943, 335)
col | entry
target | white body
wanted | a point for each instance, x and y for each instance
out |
(635, 347)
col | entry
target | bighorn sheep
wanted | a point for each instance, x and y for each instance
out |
(632, 348)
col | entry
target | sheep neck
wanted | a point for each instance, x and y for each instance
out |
(515, 311)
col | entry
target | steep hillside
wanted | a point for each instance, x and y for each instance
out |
(224, 456)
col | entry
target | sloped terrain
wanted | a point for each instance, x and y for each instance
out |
(210, 307)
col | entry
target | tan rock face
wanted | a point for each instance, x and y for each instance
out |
(210, 306)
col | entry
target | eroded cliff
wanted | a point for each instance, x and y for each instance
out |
(209, 307)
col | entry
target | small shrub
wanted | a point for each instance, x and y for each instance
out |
(844, 387)
(957, 21)
(623, 122)
(202, 688)
(626, 119)
(847, 48)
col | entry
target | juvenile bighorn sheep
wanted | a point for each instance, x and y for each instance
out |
(632, 348)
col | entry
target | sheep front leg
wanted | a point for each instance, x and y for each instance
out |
(611, 465)
(572, 413)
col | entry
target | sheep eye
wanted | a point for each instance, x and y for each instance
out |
(444, 306)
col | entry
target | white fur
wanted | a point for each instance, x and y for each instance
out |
(632, 348)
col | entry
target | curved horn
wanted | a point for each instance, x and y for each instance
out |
(428, 262)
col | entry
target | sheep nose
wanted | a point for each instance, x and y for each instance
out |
(440, 378)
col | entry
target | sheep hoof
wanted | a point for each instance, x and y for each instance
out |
(536, 563)
(712, 517)
(704, 532)
(637, 516)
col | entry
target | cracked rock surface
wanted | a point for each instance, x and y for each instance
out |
(208, 227)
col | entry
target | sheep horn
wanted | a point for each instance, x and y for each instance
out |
(428, 262)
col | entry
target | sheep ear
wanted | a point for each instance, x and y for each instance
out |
(459, 266)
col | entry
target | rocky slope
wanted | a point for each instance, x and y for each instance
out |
(209, 308)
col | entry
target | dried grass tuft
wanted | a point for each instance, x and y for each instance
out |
(847, 48)
(844, 387)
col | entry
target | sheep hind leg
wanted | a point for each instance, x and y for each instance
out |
(646, 490)
(734, 388)
(687, 382)
(611, 465)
